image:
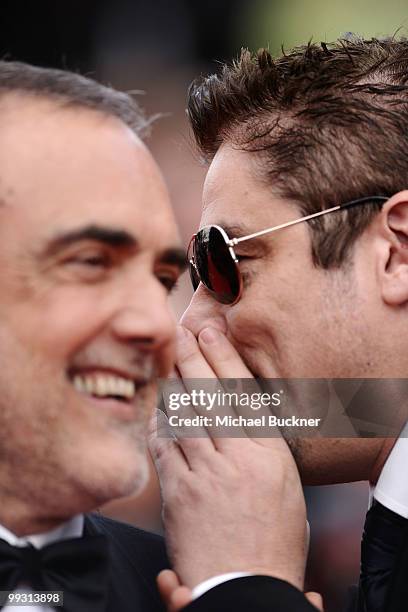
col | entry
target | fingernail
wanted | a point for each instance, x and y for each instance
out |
(210, 335)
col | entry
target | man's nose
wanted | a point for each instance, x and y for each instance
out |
(144, 318)
(204, 311)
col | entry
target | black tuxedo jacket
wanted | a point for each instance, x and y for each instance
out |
(384, 563)
(252, 594)
(137, 557)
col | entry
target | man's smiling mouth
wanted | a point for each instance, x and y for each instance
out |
(107, 385)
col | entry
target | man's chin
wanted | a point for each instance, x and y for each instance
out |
(103, 477)
(323, 461)
(127, 479)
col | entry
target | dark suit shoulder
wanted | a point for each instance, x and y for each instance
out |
(254, 593)
(137, 557)
(124, 531)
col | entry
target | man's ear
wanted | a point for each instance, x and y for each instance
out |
(394, 267)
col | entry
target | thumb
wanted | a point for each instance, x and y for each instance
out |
(174, 595)
(180, 597)
(315, 599)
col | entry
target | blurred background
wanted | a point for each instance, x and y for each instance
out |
(158, 47)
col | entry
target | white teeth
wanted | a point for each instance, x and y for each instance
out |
(111, 384)
(79, 384)
(130, 388)
(121, 387)
(103, 385)
(89, 384)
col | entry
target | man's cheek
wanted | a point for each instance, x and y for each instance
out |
(244, 333)
(250, 355)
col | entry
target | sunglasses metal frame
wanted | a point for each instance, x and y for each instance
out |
(231, 242)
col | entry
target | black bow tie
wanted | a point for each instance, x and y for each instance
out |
(77, 567)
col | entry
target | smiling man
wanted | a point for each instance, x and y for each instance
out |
(85, 331)
(76, 253)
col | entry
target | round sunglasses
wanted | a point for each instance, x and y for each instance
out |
(213, 262)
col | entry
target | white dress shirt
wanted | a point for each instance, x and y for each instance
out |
(391, 489)
(209, 584)
(71, 529)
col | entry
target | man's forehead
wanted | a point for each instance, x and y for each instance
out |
(228, 165)
(234, 176)
(237, 197)
(126, 222)
(92, 167)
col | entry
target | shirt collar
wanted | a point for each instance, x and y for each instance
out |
(70, 529)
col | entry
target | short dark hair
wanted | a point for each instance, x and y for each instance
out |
(329, 121)
(71, 89)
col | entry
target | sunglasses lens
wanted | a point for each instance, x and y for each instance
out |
(215, 265)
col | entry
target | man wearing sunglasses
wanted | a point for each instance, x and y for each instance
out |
(300, 265)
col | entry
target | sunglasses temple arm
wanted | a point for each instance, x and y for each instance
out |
(235, 241)
(320, 213)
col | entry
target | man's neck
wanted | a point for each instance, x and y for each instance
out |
(381, 458)
(71, 528)
(21, 519)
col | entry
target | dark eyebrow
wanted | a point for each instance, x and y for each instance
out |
(239, 230)
(118, 238)
(235, 230)
(174, 256)
(110, 236)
